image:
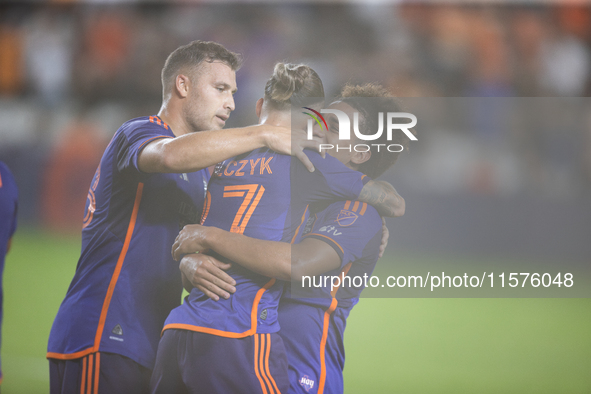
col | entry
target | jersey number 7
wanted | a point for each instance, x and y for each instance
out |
(248, 205)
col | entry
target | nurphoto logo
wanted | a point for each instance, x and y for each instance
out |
(345, 130)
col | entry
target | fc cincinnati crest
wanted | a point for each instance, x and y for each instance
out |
(346, 218)
(306, 382)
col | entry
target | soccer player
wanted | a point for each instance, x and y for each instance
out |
(342, 239)
(232, 345)
(150, 182)
(8, 209)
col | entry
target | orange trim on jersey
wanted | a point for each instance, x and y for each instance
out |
(0, 180)
(228, 334)
(263, 360)
(363, 176)
(207, 330)
(83, 376)
(355, 206)
(70, 356)
(330, 239)
(302, 222)
(363, 208)
(267, 363)
(255, 305)
(152, 139)
(158, 121)
(89, 385)
(115, 277)
(206, 206)
(347, 204)
(97, 372)
(325, 324)
(256, 363)
(344, 272)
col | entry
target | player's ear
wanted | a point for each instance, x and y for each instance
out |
(182, 84)
(360, 157)
(259, 107)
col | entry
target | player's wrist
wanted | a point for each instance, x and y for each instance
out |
(211, 238)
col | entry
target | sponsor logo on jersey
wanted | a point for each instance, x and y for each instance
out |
(346, 218)
(306, 382)
(264, 314)
(330, 229)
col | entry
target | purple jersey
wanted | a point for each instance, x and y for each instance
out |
(312, 328)
(126, 281)
(8, 208)
(262, 195)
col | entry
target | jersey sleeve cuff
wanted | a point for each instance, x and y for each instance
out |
(334, 244)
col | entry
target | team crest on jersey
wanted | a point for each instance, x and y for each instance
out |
(306, 382)
(346, 218)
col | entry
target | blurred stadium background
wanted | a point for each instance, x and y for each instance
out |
(72, 72)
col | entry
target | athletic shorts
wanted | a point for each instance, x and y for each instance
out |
(98, 373)
(198, 363)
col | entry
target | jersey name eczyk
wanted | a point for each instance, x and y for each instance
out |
(260, 166)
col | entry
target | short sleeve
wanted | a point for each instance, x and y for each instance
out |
(331, 180)
(133, 139)
(351, 228)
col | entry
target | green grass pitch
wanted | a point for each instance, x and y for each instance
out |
(392, 345)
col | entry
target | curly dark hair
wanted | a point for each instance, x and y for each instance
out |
(370, 100)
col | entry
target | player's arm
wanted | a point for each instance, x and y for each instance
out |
(195, 151)
(270, 258)
(334, 181)
(383, 197)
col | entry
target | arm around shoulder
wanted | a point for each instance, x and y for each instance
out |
(198, 150)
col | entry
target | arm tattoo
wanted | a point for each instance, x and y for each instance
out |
(383, 197)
